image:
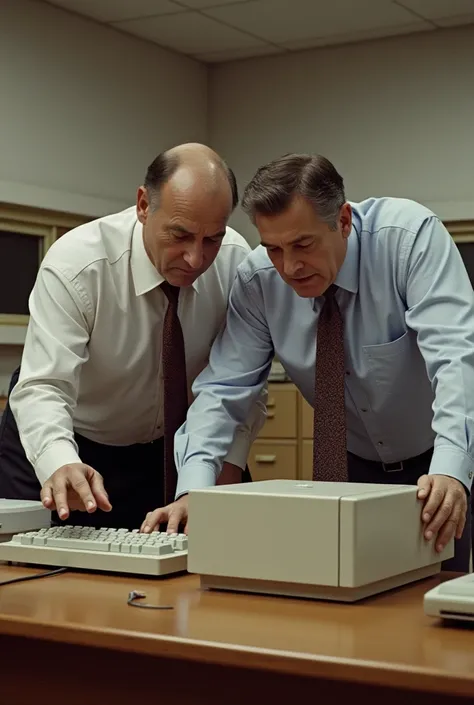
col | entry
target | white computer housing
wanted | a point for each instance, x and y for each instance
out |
(328, 540)
(17, 515)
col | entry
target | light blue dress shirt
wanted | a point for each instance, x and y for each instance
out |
(408, 309)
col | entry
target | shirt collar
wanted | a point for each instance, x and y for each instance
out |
(348, 275)
(145, 276)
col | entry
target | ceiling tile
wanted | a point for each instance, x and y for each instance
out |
(362, 35)
(456, 21)
(282, 21)
(201, 4)
(116, 10)
(235, 54)
(443, 12)
(189, 33)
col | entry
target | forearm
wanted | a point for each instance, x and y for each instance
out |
(441, 311)
(225, 393)
(210, 435)
(245, 435)
(44, 419)
(44, 398)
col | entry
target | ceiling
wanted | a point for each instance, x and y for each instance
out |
(223, 30)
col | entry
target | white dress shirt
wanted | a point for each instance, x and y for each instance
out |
(92, 356)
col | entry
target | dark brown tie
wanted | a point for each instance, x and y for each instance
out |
(175, 393)
(330, 444)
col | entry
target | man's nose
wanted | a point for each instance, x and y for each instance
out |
(291, 266)
(194, 257)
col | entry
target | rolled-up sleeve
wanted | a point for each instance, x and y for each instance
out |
(440, 308)
(225, 391)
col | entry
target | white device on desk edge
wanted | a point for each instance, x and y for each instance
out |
(17, 515)
(453, 599)
(328, 540)
(29, 538)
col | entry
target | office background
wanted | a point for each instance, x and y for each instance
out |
(84, 107)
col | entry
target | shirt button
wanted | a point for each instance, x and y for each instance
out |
(348, 372)
(380, 443)
(470, 476)
(364, 410)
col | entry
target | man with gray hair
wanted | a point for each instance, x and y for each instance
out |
(369, 308)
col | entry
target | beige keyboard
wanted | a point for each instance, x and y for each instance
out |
(117, 550)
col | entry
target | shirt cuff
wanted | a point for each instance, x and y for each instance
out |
(453, 462)
(194, 477)
(54, 457)
(239, 451)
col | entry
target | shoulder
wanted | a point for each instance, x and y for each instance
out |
(233, 244)
(257, 265)
(376, 215)
(105, 239)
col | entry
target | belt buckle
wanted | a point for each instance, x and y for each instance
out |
(393, 467)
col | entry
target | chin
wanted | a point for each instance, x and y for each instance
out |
(182, 279)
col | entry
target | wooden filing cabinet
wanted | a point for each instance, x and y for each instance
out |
(269, 460)
(275, 452)
(284, 447)
(306, 457)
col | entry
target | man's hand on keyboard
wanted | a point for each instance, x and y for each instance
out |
(75, 486)
(174, 514)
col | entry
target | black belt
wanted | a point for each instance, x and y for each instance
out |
(399, 466)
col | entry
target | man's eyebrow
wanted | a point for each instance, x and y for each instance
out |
(295, 241)
(221, 233)
(178, 229)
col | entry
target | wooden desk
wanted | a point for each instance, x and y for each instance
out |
(73, 639)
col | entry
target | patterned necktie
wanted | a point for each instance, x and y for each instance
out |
(330, 445)
(175, 393)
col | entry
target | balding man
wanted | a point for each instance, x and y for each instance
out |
(122, 317)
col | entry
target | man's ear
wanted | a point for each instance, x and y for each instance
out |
(143, 204)
(346, 220)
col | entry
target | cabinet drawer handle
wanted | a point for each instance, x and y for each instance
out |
(270, 414)
(265, 458)
(271, 402)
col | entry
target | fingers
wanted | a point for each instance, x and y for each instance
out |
(454, 526)
(461, 523)
(176, 515)
(47, 495)
(424, 486)
(100, 495)
(432, 504)
(80, 484)
(59, 492)
(449, 519)
(154, 519)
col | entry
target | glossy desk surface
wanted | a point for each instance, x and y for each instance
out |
(385, 640)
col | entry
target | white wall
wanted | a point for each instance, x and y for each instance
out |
(83, 111)
(396, 116)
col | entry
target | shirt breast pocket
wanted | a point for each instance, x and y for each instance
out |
(395, 364)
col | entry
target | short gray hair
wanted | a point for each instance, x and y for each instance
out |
(312, 177)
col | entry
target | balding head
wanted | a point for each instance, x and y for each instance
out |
(184, 205)
(191, 167)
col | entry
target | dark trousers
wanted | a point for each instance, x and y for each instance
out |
(133, 475)
(361, 470)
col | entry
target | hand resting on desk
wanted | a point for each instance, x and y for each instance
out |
(75, 486)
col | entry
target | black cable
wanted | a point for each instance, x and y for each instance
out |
(57, 571)
(135, 595)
